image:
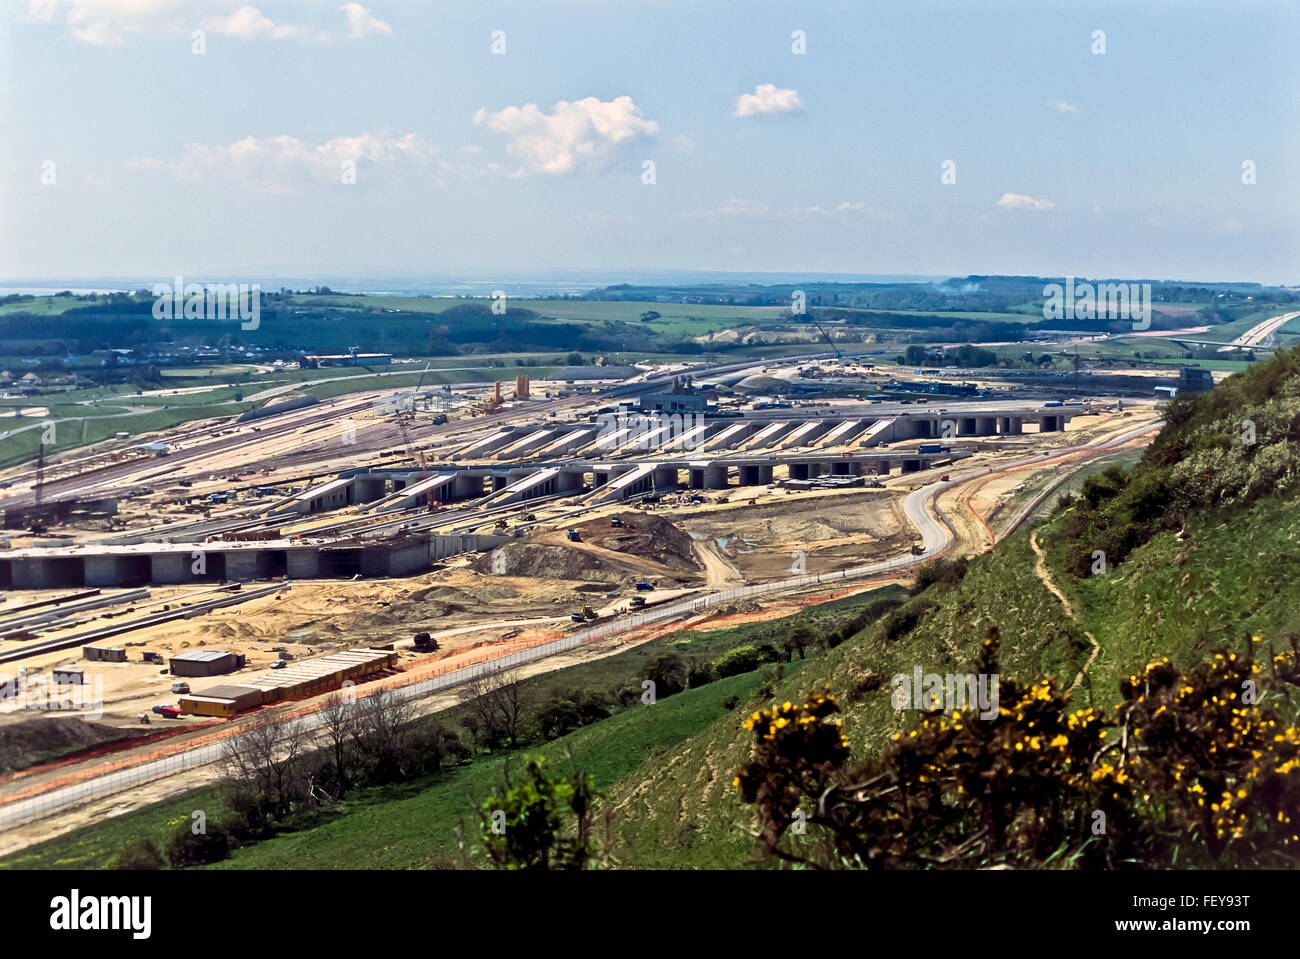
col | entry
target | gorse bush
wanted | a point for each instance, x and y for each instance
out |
(1187, 770)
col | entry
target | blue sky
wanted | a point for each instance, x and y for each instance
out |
(231, 163)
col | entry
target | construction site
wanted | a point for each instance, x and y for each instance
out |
(379, 538)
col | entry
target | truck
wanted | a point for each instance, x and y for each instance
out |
(930, 448)
(644, 587)
(574, 536)
(615, 521)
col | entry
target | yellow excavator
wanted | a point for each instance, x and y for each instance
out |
(584, 614)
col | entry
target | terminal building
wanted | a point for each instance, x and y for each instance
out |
(682, 398)
(1193, 379)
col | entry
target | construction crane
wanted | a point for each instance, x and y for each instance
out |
(417, 455)
(838, 355)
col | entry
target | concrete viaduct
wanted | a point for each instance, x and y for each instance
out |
(184, 563)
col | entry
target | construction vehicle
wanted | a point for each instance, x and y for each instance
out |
(574, 536)
(638, 602)
(500, 525)
(584, 614)
(645, 586)
(918, 549)
(529, 517)
(615, 521)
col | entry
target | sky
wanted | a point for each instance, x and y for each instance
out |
(487, 138)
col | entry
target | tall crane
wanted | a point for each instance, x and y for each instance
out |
(411, 451)
(838, 355)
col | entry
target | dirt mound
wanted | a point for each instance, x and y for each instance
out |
(28, 742)
(650, 537)
(545, 561)
(642, 547)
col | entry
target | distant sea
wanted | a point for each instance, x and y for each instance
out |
(517, 285)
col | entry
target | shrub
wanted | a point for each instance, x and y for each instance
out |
(1100, 487)
(669, 673)
(944, 572)
(741, 659)
(139, 854)
(189, 849)
(544, 822)
(701, 674)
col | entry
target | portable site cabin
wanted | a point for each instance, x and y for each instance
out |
(221, 700)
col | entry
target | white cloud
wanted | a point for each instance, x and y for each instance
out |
(1018, 201)
(732, 207)
(363, 23)
(112, 22)
(765, 99)
(277, 164)
(1060, 106)
(585, 134)
(684, 144)
(249, 23)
